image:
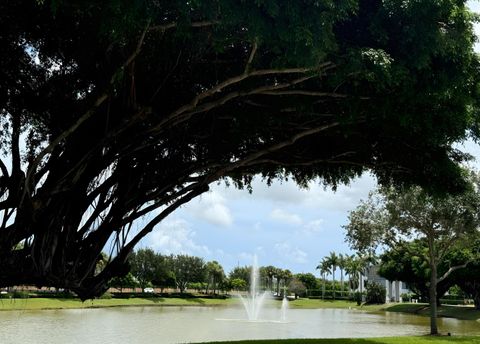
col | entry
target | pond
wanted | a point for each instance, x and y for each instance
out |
(196, 324)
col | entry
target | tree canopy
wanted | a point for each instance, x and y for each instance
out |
(392, 217)
(129, 109)
(400, 264)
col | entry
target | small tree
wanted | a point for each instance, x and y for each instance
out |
(241, 272)
(308, 279)
(143, 265)
(297, 287)
(238, 284)
(164, 276)
(376, 293)
(392, 217)
(127, 281)
(215, 275)
(188, 269)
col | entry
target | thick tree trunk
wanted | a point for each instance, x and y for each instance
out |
(433, 300)
(476, 300)
(341, 282)
(333, 284)
(323, 289)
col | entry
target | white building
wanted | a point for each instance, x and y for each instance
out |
(394, 288)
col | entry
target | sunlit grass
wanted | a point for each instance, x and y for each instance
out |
(392, 340)
(52, 303)
(318, 303)
(459, 312)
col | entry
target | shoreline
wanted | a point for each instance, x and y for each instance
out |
(372, 340)
(37, 304)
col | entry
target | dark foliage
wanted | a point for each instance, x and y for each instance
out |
(129, 108)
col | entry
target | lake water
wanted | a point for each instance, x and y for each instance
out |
(196, 324)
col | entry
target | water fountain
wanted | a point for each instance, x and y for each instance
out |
(284, 307)
(253, 303)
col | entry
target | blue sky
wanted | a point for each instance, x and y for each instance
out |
(282, 224)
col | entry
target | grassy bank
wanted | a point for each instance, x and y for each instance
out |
(53, 303)
(59, 303)
(317, 303)
(458, 312)
(391, 340)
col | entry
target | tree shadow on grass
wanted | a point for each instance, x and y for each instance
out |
(195, 300)
(156, 299)
(408, 308)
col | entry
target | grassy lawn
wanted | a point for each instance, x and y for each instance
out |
(52, 303)
(317, 303)
(459, 312)
(392, 340)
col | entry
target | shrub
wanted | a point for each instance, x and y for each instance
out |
(54, 294)
(358, 296)
(20, 294)
(106, 296)
(376, 293)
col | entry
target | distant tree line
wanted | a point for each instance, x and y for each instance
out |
(171, 271)
(182, 272)
(354, 266)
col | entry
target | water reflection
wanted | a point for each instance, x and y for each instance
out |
(197, 324)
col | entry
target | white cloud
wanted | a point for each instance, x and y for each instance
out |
(291, 253)
(312, 227)
(257, 226)
(211, 208)
(286, 217)
(246, 258)
(345, 198)
(175, 237)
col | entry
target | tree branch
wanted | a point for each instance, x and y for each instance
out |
(452, 269)
(232, 81)
(149, 227)
(173, 25)
(4, 169)
(233, 95)
(275, 147)
(309, 93)
(250, 58)
(98, 102)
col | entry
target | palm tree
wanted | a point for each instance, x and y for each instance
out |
(270, 273)
(342, 261)
(215, 275)
(278, 274)
(354, 269)
(287, 276)
(333, 261)
(367, 261)
(324, 268)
